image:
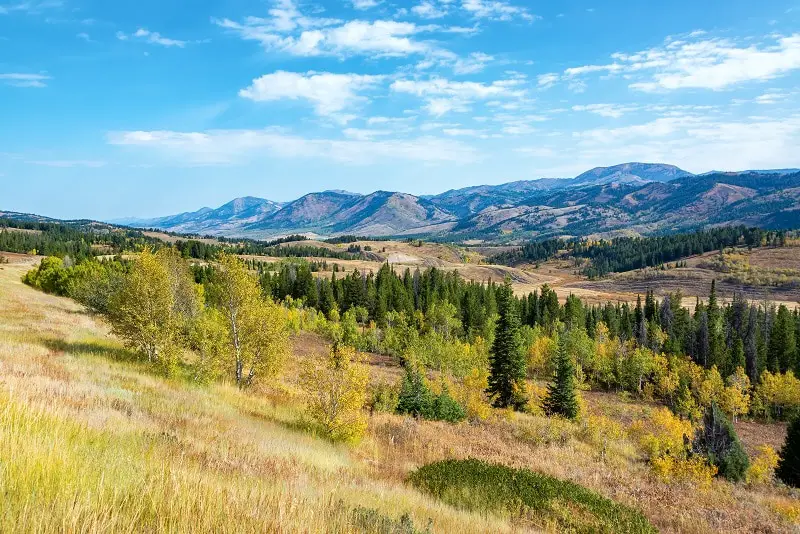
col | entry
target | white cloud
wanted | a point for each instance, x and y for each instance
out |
(290, 31)
(475, 62)
(230, 147)
(329, 93)
(365, 4)
(696, 62)
(613, 111)
(151, 37)
(496, 10)
(18, 79)
(444, 96)
(428, 9)
(771, 97)
(586, 69)
(365, 134)
(713, 63)
(547, 80)
(31, 7)
(465, 132)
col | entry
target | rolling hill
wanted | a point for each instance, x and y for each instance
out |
(635, 197)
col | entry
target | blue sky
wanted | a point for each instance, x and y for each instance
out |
(145, 108)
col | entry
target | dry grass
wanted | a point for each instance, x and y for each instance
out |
(91, 441)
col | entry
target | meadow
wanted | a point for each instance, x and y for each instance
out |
(94, 440)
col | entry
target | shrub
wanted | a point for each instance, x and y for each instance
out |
(372, 521)
(762, 468)
(788, 469)
(718, 441)
(418, 400)
(336, 394)
(694, 469)
(550, 503)
(384, 398)
(446, 408)
(415, 397)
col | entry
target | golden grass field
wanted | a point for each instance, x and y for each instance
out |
(92, 441)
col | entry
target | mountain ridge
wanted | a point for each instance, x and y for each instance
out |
(649, 197)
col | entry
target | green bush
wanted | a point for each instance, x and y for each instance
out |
(549, 503)
(446, 408)
(369, 520)
(384, 398)
(418, 400)
(415, 397)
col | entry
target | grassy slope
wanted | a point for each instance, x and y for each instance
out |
(91, 441)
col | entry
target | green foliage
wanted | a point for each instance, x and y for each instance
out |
(417, 399)
(788, 470)
(549, 503)
(446, 408)
(371, 521)
(561, 396)
(384, 398)
(718, 441)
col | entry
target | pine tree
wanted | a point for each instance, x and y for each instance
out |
(782, 345)
(507, 359)
(788, 469)
(561, 397)
(717, 440)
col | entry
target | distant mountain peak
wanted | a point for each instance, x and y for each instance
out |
(640, 196)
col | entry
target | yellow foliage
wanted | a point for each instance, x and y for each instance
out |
(663, 435)
(541, 353)
(695, 470)
(789, 509)
(762, 467)
(735, 399)
(712, 388)
(776, 393)
(472, 395)
(336, 393)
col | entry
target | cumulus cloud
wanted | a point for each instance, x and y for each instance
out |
(329, 93)
(698, 62)
(289, 30)
(443, 95)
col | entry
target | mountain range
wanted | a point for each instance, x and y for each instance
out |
(640, 198)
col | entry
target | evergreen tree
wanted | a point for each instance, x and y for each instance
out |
(782, 346)
(507, 359)
(717, 440)
(561, 397)
(415, 398)
(788, 470)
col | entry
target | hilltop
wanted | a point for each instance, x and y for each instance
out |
(638, 198)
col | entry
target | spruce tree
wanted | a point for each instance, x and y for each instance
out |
(717, 440)
(561, 397)
(788, 470)
(507, 359)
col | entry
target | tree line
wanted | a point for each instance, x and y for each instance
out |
(630, 253)
(483, 342)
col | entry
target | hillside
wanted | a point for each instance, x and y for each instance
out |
(145, 453)
(639, 197)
